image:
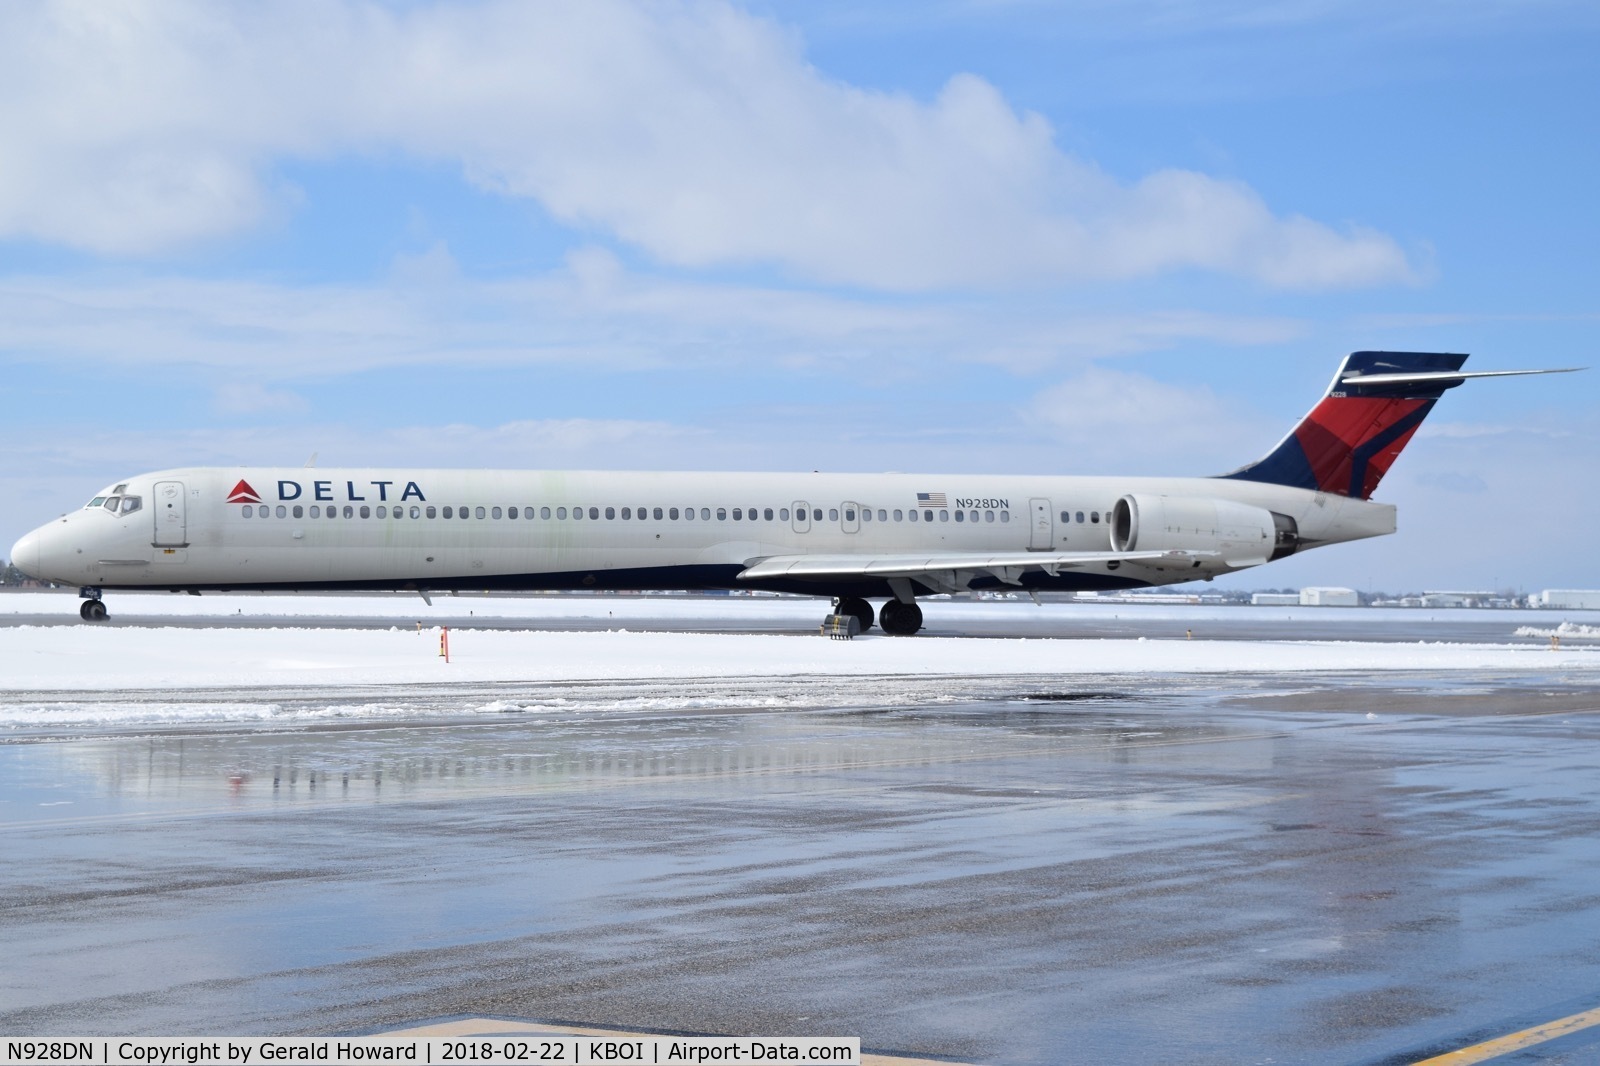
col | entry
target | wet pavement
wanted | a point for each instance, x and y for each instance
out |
(1232, 869)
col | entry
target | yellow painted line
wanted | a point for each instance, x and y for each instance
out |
(1504, 1045)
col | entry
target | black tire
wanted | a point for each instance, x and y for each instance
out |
(900, 619)
(858, 607)
(93, 611)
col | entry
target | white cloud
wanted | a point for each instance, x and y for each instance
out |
(1111, 421)
(253, 398)
(694, 131)
(592, 313)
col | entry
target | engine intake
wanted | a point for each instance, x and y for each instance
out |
(1242, 534)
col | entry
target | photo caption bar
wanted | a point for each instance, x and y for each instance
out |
(433, 1051)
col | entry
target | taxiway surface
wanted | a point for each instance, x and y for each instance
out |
(1329, 867)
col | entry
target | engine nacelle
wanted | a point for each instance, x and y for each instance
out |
(1243, 535)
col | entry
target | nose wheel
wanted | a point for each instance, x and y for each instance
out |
(92, 611)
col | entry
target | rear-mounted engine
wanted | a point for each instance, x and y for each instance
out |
(1242, 534)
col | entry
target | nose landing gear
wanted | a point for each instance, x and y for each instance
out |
(93, 608)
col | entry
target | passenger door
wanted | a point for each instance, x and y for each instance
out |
(172, 525)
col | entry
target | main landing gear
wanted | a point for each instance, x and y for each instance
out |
(854, 605)
(897, 619)
(900, 619)
(93, 608)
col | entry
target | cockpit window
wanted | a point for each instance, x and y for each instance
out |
(131, 504)
(112, 503)
(98, 501)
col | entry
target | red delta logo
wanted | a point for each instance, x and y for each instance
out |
(243, 493)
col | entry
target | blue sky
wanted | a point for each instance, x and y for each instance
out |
(1128, 237)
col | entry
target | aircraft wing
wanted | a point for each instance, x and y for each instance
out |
(955, 571)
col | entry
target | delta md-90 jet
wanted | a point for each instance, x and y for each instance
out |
(852, 537)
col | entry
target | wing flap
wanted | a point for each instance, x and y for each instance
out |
(956, 569)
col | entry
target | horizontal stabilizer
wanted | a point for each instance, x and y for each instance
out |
(1348, 442)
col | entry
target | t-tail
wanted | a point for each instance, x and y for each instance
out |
(1374, 406)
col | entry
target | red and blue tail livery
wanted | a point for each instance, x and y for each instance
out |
(1372, 409)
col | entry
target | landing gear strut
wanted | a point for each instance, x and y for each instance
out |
(93, 608)
(900, 619)
(856, 606)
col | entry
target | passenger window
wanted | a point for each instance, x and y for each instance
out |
(657, 514)
(972, 516)
(1066, 516)
(767, 514)
(430, 512)
(611, 513)
(883, 515)
(912, 515)
(561, 512)
(688, 514)
(349, 512)
(1094, 517)
(961, 516)
(672, 513)
(1005, 516)
(383, 512)
(447, 512)
(988, 516)
(544, 512)
(898, 515)
(577, 512)
(927, 515)
(283, 512)
(265, 511)
(722, 514)
(738, 514)
(493, 512)
(816, 514)
(944, 516)
(594, 513)
(1080, 516)
(248, 511)
(783, 513)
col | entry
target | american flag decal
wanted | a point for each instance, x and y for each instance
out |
(932, 499)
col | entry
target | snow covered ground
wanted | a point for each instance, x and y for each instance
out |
(111, 675)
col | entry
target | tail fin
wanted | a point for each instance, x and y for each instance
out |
(1349, 440)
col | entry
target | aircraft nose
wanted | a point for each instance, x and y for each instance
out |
(25, 554)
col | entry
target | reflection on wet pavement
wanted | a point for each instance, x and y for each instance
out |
(1226, 871)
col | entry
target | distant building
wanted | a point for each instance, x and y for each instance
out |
(1567, 599)
(1458, 599)
(1275, 599)
(1329, 597)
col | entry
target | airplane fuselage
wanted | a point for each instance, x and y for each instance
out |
(296, 528)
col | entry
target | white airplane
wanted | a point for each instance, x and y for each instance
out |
(854, 537)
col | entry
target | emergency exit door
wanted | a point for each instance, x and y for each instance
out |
(1042, 529)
